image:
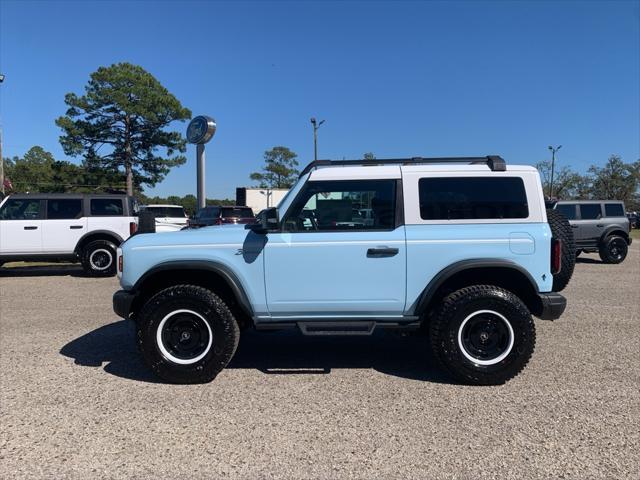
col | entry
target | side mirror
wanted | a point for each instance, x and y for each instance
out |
(267, 221)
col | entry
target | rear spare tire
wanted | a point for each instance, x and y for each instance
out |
(561, 230)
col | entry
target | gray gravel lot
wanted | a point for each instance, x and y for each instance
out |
(76, 401)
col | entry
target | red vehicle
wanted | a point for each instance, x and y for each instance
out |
(220, 215)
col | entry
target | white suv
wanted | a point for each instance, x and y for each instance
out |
(169, 218)
(66, 227)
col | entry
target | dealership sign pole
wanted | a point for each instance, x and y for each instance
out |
(200, 130)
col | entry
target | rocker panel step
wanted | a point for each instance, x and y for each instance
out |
(337, 328)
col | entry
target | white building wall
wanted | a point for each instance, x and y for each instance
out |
(260, 198)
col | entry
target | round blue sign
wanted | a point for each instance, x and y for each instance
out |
(201, 129)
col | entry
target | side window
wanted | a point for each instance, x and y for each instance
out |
(472, 198)
(590, 211)
(106, 207)
(337, 206)
(20, 209)
(613, 210)
(59, 209)
(568, 210)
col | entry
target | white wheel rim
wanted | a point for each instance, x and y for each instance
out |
(492, 361)
(168, 354)
(100, 250)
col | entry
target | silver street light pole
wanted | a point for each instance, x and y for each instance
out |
(553, 164)
(1, 158)
(316, 126)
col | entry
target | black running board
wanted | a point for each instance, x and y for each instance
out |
(339, 327)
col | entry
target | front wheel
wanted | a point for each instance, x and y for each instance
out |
(483, 335)
(99, 258)
(187, 334)
(614, 249)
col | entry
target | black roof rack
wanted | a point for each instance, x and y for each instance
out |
(495, 162)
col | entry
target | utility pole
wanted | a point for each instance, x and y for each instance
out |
(1, 159)
(553, 164)
(316, 126)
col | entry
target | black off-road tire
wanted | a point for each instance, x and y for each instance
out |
(222, 327)
(561, 229)
(613, 249)
(99, 258)
(450, 325)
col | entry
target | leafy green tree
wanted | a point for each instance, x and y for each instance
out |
(369, 156)
(279, 170)
(616, 180)
(567, 184)
(119, 125)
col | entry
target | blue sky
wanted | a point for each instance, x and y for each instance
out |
(394, 78)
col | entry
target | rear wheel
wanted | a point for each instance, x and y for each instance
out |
(561, 230)
(483, 335)
(99, 258)
(613, 249)
(187, 334)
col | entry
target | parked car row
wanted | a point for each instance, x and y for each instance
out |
(88, 228)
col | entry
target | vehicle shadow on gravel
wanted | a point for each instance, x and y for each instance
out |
(113, 345)
(589, 260)
(43, 271)
(273, 353)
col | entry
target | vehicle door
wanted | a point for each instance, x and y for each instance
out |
(21, 226)
(65, 224)
(590, 224)
(325, 263)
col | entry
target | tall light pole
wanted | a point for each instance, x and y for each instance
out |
(553, 164)
(316, 126)
(1, 159)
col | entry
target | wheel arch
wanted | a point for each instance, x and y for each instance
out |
(208, 274)
(501, 273)
(97, 235)
(613, 230)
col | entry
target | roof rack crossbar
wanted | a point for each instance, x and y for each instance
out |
(494, 162)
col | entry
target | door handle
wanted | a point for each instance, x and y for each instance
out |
(75, 227)
(599, 225)
(31, 228)
(382, 252)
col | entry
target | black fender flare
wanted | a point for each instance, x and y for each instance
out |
(224, 271)
(84, 237)
(443, 275)
(609, 230)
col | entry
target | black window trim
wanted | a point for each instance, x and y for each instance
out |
(616, 204)
(398, 213)
(41, 213)
(120, 199)
(467, 221)
(45, 213)
(580, 205)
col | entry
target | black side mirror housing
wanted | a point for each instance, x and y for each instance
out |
(268, 221)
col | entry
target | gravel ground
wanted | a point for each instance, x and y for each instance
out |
(76, 401)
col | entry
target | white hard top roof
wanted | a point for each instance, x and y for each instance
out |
(337, 172)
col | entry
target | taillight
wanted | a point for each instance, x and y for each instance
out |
(120, 263)
(556, 255)
(133, 228)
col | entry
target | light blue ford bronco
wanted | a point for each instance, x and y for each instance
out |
(459, 248)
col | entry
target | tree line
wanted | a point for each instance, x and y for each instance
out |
(616, 180)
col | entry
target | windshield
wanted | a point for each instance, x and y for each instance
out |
(167, 211)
